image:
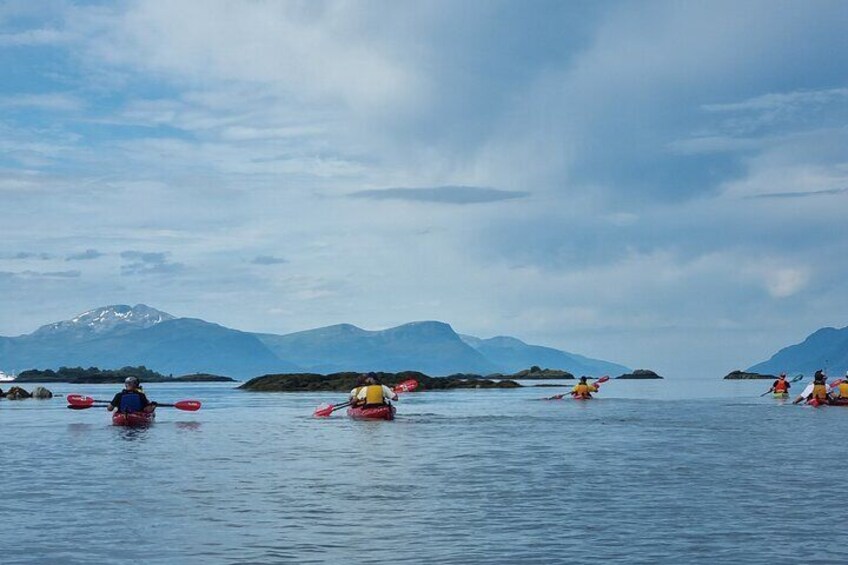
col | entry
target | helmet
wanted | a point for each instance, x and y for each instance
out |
(131, 381)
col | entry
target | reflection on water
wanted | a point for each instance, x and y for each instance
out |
(188, 426)
(662, 472)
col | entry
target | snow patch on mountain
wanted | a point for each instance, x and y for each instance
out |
(107, 319)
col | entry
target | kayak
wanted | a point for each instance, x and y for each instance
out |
(133, 419)
(385, 412)
(781, 395)
(838, 402)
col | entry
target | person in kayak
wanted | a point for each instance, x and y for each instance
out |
(841, 390)
(583, 389)
(781, 385)
(817, 390)
(374, 393)
(360, 382)
(131, 399)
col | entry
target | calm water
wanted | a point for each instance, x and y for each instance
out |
(651, 472)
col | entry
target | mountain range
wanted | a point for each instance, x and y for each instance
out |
(826, 349)
(116, 336)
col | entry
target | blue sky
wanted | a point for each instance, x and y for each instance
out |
(661, 184)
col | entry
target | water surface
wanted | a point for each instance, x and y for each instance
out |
(650, 472)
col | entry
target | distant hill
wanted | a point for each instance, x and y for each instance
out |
(512, 355)
(118, 336)
(429, 347)
(826, 348)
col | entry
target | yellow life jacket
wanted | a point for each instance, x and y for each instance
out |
(374, 394)
(843, 390)
(581, 390)
(820, 391)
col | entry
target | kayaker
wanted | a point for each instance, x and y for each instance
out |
(360, 382)
(781, 385)
(841, 390)
(374, 393)
(131, 399)
(819, 387)
(583, 389)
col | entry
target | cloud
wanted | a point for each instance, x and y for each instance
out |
(268, 260)
(442, 194)
(53, 101)
(786, 282)
(24, 255)
(826, 192)
(653, 139)
(23, 275)
(34, 37)
(148, 263)
(86, 255)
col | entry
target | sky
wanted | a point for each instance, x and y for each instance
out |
(658, 184)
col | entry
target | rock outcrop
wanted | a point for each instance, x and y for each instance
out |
(344, 382)
(640, 374)
(17, 393)
(742, 375)
(41, 393)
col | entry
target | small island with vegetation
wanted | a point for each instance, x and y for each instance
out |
(533, 373)
(93, 375)
(640, 374)
(742, 376)
(344, 382)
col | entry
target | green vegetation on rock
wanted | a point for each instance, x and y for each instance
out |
(742, 375)
(344, 382)
(640, 374)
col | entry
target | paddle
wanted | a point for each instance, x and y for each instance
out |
(325, 410)
(80, 402)
(795, 379)
(602, 380)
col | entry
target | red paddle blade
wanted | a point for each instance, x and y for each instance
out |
(190, 405)
(323, 411)
(406, 386)
(80, 401)
(603, 379)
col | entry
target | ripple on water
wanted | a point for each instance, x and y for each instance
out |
(465, 477)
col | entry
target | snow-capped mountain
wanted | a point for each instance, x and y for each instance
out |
(107, 319)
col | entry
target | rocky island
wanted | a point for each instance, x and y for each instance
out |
(344, 382)
(93, 375)
(533, 373)
(640, 374)
(742, 375)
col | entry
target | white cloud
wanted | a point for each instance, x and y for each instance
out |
(786, 282)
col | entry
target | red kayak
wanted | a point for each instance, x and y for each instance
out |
(577, 397)
(133, 419)
(385, 412)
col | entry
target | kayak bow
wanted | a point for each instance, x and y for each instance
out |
(133, 419)
(385, 412)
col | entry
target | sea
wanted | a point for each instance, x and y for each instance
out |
(669, 471)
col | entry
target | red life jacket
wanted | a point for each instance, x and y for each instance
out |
(780, 386)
